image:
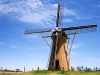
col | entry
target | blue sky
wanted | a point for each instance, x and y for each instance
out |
(18, 50)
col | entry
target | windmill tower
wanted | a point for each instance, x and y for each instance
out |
(59, 57)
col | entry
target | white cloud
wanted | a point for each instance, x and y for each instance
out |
(85, 17)
(37, 12)
(75, 46)
(45, 47)
(79, 18)
(31, 11)
(98, 5)
(69, 12)
(30, 36)
(33, 55)
(31, 48)
(93, 59)
(70, 1)
(67, 20)
(12, 46)
(2, 43)
(73, 53)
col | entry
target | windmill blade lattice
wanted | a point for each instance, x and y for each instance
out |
(61, 10)
(80, 29)
(57, 19)
(33, 31)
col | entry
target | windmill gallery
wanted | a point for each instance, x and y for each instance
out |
(59, 57)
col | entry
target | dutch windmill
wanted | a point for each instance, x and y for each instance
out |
(59, 57)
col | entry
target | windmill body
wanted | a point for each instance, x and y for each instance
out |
(62, 60)
(59, 58)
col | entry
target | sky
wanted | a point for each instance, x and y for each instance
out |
(18, 50)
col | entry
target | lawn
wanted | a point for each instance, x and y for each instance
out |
(46, 72)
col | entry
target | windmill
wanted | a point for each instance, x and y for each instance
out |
(59, 57)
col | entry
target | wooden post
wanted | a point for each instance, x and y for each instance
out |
(94, 68)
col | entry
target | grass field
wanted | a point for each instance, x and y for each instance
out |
(51, 73)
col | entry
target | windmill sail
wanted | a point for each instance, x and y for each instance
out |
(80, 29)
(57, 19)
(61, 10)
(32, 31)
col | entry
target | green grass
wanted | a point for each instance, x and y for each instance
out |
(46, 72)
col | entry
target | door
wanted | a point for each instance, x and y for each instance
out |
(57, 64)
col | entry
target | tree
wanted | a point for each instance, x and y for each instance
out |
(78, 68)
(1, 68)
(73, 69)
(82, 67)
(94, 68)
(98, 69)
(89, 69)
(5, 69)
